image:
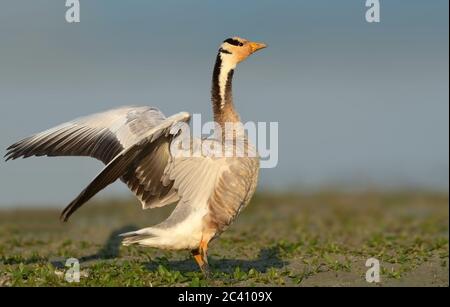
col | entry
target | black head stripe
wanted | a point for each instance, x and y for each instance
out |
(233, 42)
(221, 50)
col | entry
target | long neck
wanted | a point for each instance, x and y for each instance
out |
(221, 92)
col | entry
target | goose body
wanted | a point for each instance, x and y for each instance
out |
(140, 146)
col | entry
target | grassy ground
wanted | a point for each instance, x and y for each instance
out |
(311, 240)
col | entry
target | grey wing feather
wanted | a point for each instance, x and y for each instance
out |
(104, 136)
(101, 136)
(145, 180)
(127, 161)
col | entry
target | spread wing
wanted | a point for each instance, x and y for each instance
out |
(106, 135)
(101, 136)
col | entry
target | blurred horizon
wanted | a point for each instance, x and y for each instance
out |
(360, 106)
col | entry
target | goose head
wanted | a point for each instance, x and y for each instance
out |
(235, 49)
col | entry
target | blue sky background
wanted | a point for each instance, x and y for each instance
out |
(358, 104)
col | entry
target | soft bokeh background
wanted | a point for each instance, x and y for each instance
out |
(359, 105)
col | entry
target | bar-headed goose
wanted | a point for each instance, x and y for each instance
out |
(136, 144)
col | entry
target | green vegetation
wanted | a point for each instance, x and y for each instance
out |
(320, 239)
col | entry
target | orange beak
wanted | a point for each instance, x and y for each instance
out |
(256, 46)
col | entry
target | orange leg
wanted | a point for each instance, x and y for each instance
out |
(200, 256)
